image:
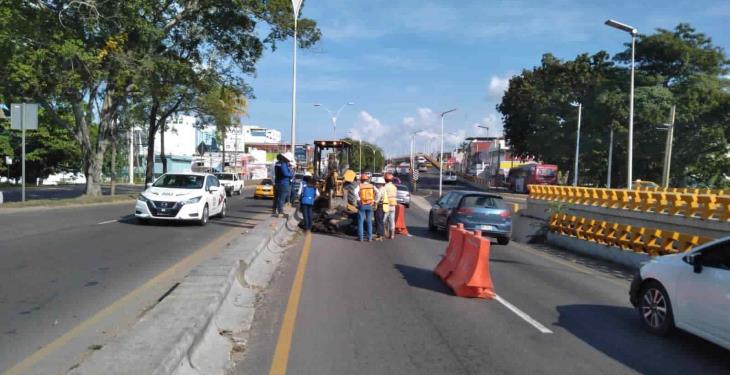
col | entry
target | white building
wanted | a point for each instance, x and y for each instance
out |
(239, 137)
(180, 137)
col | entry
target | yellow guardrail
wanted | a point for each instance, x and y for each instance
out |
(628, 237)
(698, 205)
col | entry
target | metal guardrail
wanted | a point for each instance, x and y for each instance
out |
(638, 239)
(696, 205)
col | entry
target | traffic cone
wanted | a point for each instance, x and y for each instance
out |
(448, 263)
(400, 220)
(471, 277)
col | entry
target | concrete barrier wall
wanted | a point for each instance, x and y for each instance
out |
(616, 255)
(706, 228)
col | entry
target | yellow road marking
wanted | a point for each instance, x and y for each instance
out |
(283, 344)
(187, 262)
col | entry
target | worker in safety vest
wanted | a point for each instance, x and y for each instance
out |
(392, 193)
(382, 206)
(365, 199)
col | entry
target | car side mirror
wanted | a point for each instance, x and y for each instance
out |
(696, 261)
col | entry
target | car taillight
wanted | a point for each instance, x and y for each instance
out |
(465, 211)
(505, 214)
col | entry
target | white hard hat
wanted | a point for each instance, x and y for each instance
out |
(379, 180)
(307, 174)
(289, 156)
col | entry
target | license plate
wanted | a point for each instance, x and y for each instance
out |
(486, 227)
(163, 210)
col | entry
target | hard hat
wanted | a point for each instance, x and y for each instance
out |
(307, 174)
(349, 175)
(378, 180)
(289, 156)
(364, 177)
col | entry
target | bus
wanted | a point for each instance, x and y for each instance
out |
(519, 178)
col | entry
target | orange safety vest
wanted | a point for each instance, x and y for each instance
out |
(367, 194)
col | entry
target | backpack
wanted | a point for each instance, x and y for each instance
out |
(367, 194)
(309, 193)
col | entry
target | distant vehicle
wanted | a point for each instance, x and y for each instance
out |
(688, 291)
(639, 184)
(182, 196)
(519, 178)
(231, 182)
(450, 177)
(404, 195)
(421, 159)
(377, 174)
(422, 168)
(296, 187)
(265, 189)
(477, 211)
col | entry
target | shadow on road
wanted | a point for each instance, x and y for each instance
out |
(423, 232)
(422, 278)
(617, 332)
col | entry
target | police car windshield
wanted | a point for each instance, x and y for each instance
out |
(180, 181)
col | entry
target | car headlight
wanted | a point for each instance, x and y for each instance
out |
(142, 198)
(191, 200)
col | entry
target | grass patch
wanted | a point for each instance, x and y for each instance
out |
(71, 201)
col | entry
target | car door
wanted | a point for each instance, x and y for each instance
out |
(446, 208)
(703, 298)
(218, 195)
(438, 208)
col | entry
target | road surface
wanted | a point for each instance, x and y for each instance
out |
(70, 278)
(377, 308)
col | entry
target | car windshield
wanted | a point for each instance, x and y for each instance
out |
(298, 176)
(224, 176)
(546, 172)
(180, 181)
(481, 201)
(402, 187)
(266, 181)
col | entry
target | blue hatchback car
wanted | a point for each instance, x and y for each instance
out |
(476, 210)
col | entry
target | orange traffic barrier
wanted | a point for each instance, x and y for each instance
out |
(400, 220)
(471, 277)
(450, 261)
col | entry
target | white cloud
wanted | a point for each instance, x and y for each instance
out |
(368, 128)
(497, 86)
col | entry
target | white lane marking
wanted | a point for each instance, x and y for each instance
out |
(107, 222)
(523, 315)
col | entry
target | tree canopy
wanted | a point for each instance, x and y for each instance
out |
(681, 68)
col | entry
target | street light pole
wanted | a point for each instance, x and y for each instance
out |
(296, 4)
(334, 116)
(631, 30)
(577, 146)
(668, 148)
(610, 159)
(441, 153)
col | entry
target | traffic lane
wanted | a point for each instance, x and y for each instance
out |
(54, 280)
(594, 326)
(14, 194)
(428, 185)
(378, 308)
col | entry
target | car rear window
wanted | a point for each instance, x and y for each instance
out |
(482, 201)
(224, 176)
(401, 187)
(180, 181)
(266, 181)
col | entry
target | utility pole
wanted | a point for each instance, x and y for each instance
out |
(610, 159)
(577, 146)
(130, 157)
(668, 148)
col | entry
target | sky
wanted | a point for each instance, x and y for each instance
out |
(402, 62)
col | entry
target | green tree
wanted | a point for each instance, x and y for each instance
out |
(373, 159)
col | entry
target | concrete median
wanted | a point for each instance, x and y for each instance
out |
(200, 326)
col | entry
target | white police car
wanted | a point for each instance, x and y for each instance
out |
(182, 196)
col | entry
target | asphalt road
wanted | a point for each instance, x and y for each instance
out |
(70, 278)
(377, 308)
(14, 194)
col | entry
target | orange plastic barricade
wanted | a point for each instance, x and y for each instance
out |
(448, 264)
(471, 277)
(400, 220)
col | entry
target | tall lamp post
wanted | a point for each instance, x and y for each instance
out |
(413, 139)
(499, 150)
(441, 153)
(631, 30)
(577, 143)
(668, 147)
(296, 5)
(333, 116)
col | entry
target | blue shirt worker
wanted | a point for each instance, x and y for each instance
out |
(282, 180)
(365, 199)
(306, 200)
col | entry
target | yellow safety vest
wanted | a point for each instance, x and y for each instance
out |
(384, 200)
(392, 192)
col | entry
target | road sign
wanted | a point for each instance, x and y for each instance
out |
(24, 115)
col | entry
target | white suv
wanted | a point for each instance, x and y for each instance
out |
(182, 196)
(690, 291)
(231, 182)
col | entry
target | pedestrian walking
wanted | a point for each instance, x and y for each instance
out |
(306, 200)
(382, 204)
(392, 193)
(282, 181)
(365, 199)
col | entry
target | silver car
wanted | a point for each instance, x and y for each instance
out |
(476, 210)
(404, 196)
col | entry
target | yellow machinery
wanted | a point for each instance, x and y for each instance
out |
(331, 168)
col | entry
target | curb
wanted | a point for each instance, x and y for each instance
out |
(204, 322)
